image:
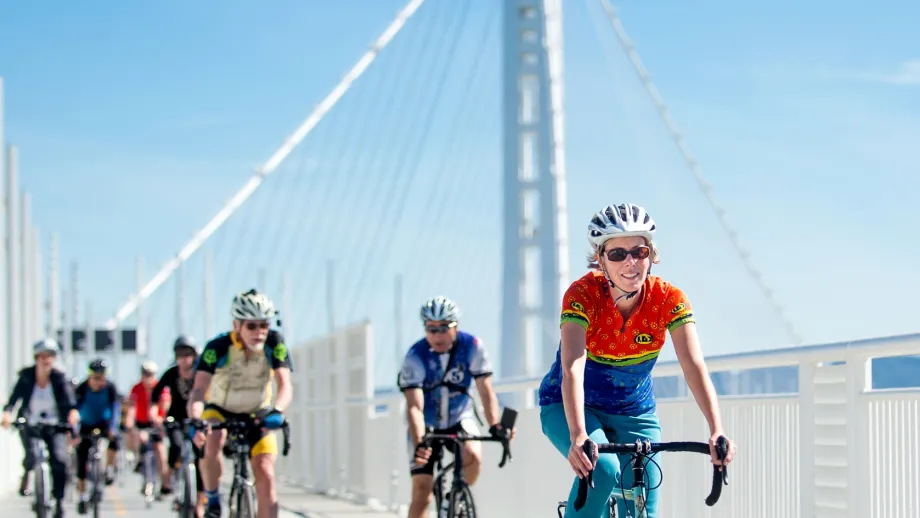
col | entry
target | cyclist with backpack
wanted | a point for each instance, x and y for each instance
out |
(100, 407)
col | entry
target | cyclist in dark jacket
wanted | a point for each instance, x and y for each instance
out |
(46, 395)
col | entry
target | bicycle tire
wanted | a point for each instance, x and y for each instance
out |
(149, 474)
(461, 503)
(96, 469)
(41, 501)
(189, 492)
(245, 503)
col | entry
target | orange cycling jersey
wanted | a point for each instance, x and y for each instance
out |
(620, 353)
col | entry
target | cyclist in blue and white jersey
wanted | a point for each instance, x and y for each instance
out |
(435, 378)
(100, 407)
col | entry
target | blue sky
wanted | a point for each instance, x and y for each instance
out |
(136, 122)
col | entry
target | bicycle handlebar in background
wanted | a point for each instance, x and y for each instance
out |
(243, 424)
(719, 476)
(509, 417)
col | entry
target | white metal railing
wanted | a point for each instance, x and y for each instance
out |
(834, 449)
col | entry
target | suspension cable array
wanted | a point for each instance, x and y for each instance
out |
(693, 165)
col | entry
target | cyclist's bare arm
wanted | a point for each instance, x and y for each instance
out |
(130, 413)
(690, 356)
(285, 388)
(415, 406)
(489, 400)
(196, 396)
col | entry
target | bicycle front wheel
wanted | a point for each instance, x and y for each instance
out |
(189, 492)
(242, 502)
(41, 501)
(461, 503)
(96, 473)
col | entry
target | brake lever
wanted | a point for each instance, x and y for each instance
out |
(506, 454)
(722, 452)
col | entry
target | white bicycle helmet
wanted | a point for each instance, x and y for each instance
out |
(624, 220)
(45, 345)
(149, 367)
(252, 305)
(440, 309)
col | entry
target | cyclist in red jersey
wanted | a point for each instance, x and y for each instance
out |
(138, 423)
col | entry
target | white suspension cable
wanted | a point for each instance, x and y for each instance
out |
(630, 49)
(268, 167)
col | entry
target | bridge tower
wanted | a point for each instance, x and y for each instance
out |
(535, 244)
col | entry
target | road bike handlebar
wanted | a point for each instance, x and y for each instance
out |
(645, 449)
(504, 439)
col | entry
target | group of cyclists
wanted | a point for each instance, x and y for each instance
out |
(230, 378)
(613, 325)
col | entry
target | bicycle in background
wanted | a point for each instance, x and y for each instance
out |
(455, 500)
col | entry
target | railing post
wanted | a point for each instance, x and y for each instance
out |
(806, 439)
(859, 379)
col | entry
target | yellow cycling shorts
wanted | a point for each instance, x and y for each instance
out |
(261, 441)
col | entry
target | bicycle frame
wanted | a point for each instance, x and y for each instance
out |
(508, 418)
(186, 503)
(94, 459)
(237, 432)
(36, 434)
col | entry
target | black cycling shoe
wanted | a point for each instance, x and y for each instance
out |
(212, 510)
(81, 507)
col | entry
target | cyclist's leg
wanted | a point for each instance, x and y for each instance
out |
(628, 430)
(159, 456)
(57, 453)
(111, 457)
(82, 458)
(199, 483)
(422, 481)
(28, 462)
(211, 464)
(173, 455)
(262, 455)
(472, 452)
(606, 471)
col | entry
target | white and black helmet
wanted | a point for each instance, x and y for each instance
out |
(252, 305)
(440, 309)
(45, 345)
(624, 220)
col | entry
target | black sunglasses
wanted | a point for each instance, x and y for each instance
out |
(252, 326)
(619, 254)
(443, 328)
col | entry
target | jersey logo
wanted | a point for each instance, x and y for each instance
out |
(280, 352)
(678, 308)
(578, 307)
(455, 376)
(209, 357)
(643, 339)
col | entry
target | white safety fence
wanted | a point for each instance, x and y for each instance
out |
(835, 448)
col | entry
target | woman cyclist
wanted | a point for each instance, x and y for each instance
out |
(46, 395)
(613, 326)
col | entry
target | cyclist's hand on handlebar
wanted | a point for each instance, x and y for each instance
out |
(577, 457)
(498, 432)
(712, 449)
(422, 454)
(273, 419)
(197, 435)
(73, 417)
(6, 420)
